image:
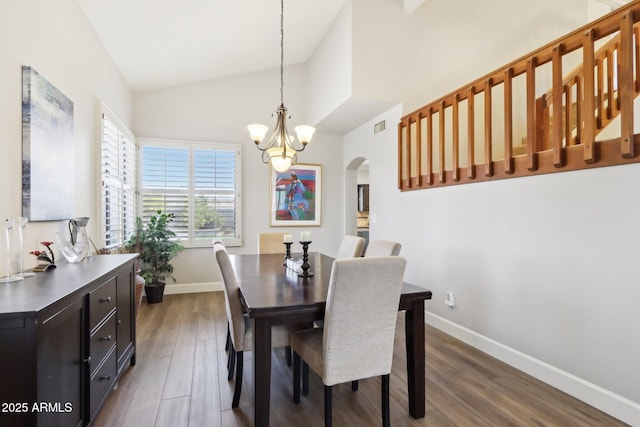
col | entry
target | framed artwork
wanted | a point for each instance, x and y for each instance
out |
(296, 196)
(48, 181)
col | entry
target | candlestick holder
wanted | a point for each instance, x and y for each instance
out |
(305, 260)
(287, 254)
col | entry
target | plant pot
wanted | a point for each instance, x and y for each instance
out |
(154, 293)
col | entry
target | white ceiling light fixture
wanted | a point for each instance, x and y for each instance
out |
(281, 148)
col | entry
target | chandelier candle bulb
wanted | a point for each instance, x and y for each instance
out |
(305, 236)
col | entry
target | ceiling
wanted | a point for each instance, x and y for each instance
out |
(163, 43)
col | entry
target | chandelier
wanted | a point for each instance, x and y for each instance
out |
(281, 147)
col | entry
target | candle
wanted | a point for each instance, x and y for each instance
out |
(288, 238)
(305, 236)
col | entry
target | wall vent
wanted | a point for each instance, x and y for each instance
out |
(378, 127)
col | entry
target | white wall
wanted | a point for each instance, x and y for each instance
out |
(330, 74)
(417, 58)
(544, 268)
(219, 111)
(55, 39)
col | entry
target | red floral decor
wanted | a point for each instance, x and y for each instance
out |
(43, 255)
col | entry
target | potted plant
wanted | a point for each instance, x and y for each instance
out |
(154, 242)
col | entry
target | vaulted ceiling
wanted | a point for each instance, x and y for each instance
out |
(162, 43)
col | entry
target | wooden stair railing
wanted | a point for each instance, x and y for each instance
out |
(434, 149)
(607, 101)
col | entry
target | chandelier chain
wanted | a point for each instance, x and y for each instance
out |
(282, 52)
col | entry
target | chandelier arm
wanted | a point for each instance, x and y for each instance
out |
(297, 145)
(265, 157)
(268, 143)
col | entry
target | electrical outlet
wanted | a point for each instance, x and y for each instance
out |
(450, 301)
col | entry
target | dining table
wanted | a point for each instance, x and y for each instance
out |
(273, 294)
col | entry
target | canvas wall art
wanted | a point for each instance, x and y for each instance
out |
(296, 196)
(48, 180)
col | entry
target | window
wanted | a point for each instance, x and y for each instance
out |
(198, 182)
(118, 168)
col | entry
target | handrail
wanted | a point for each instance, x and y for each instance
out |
(607, 102)
(452, 160)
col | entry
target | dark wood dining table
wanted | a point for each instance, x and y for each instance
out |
(272, 294)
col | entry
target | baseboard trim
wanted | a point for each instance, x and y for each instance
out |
(191, 288)
(611, 403)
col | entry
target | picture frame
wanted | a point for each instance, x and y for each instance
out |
(48, 170)
(296, 196)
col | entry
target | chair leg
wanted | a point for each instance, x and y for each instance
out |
(296, 378)
(228, 343)
(287, 355)
(238, 388)
(305, 379)
(386, 421)
(354, 385)
(327, 406)
(231, 363)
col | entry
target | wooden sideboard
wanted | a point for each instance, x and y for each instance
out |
(65, 338)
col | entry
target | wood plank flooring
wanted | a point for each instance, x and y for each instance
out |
(180, 380)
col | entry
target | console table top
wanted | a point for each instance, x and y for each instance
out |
(27, 297)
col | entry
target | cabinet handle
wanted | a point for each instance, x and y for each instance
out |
(107, 299)
(106, 377)
(107, 338)
(87, 360)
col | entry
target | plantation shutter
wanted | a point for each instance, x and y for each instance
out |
(198, 183)
(118, 160)
(165, 185)
(214, 184)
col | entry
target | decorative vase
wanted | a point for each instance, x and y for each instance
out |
(22, 222)
(9, 224)
(154, 293)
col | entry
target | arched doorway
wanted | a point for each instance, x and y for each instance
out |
(356, 197)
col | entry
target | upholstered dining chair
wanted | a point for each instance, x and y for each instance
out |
(240, 324)
(227, 344)
(356, 341)
(382, 248)
(350, 247)
(270, 243)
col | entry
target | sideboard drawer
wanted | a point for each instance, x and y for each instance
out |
(102, 341)
(101, 301)
(102, 382)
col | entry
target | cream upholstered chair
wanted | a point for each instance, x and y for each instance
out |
(270, 243)
(382, 248)
(227, 345)
(350, 247)
(240, 324)
(356, 341)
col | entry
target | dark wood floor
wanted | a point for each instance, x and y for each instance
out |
(180, 380)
